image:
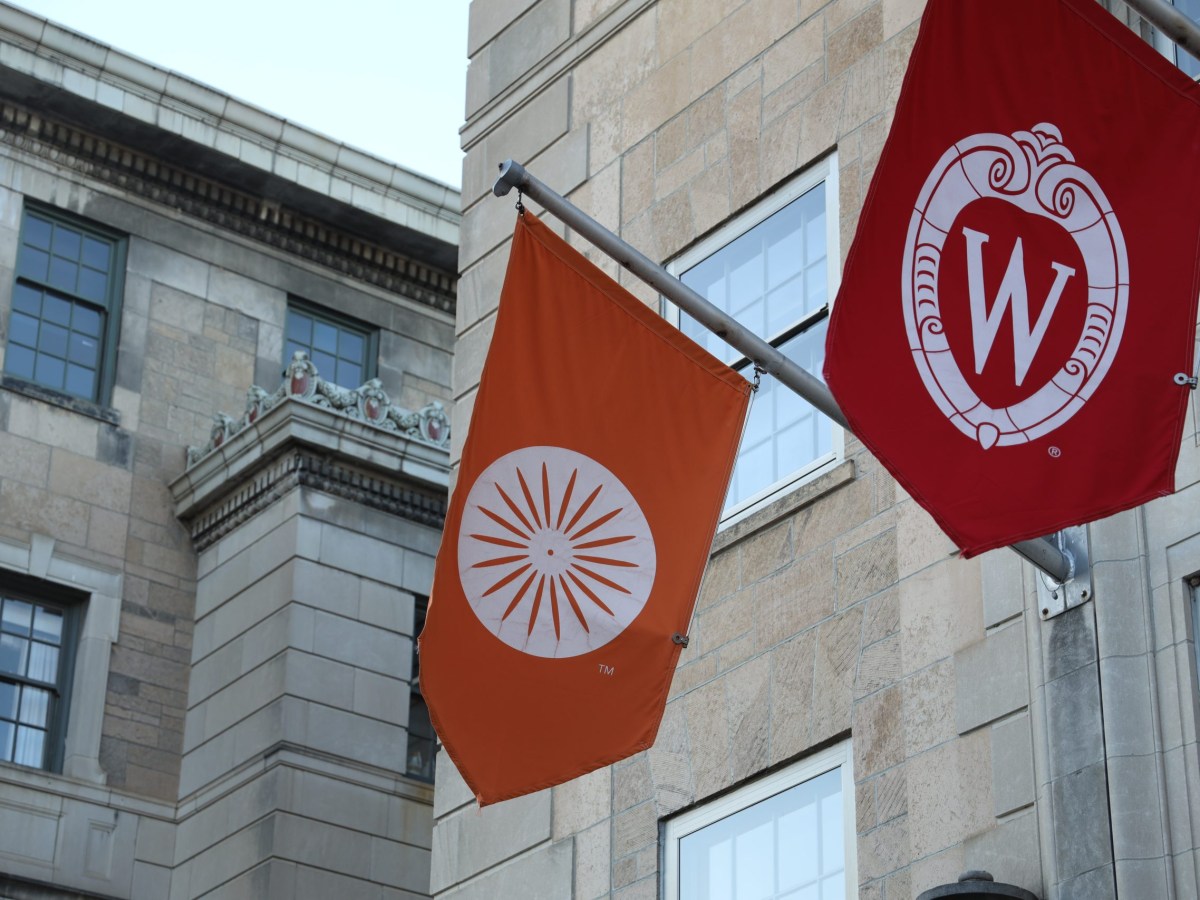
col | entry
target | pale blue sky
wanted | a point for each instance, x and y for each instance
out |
(384, 75)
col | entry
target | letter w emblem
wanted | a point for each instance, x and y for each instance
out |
(1013, 289)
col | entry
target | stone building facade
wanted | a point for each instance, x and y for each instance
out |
(847, 676)
(206, 666)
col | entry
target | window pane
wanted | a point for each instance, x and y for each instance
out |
(27, 299)
(326, 365)
(19, 361)
(30, 744)
(96, 253)
(350, 345)
(53, 340)
(35, 706)
(43, 662)
(56, 310)
(37, 231)
(7, 733)
(17, 617)
(47, 624)
(754, 852)
(84, 350)
(81, 381)
(14, 654)
(33, 263)
(299, 329)
(93, 285)
(86, 321)
(785, 847)
(66, 242)
(324, 337)
(9, 693)
(23, 329)
(50, 371)
(348, 375)
(63, 273)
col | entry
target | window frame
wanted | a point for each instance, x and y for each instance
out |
(44, 560)
(416, 698)
(368, 332)
(699, 817)
(110, 333)
(1171, 51)
(822, 171)
(38, 592)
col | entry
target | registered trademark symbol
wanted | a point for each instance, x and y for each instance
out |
(1055, 452)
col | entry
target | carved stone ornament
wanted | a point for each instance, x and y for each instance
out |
(368, 403)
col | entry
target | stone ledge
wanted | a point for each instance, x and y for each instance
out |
(353, 445)
(797, 498)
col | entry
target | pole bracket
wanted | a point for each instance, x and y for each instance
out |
(1056, 597)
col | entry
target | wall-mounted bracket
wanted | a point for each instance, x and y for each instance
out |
(1056, 597)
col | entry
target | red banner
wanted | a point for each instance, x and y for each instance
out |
(588, 493)
(1018, 309)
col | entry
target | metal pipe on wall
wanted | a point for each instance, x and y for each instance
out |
(1041, 552)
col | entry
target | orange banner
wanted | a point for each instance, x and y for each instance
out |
(599, 453)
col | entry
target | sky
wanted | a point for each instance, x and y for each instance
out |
(386, 76)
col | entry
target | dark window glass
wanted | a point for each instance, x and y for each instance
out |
(422, 743)
(65, 303)
(343, 351)
(33, 673)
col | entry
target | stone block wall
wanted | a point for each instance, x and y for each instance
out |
(981, 735)
(193, 180)
(202, 319)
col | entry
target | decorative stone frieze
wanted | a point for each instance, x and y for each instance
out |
(263, 220)
(368, 403)
(352, 444)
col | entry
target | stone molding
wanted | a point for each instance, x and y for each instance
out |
(348, 443)
(266, 221)
(311, 468)
(367, 403)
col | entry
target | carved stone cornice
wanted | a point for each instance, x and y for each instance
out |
(304, 467)
(350, 444)
(368, 403)
(267, 221)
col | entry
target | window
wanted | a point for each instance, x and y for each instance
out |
(789, 836)
(36, 657)
(1188, 63)
(422, 743)
(62, 331)
(774, 269)
(344, 351)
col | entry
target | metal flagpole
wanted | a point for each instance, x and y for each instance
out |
(1171, 22)
(1042, 552)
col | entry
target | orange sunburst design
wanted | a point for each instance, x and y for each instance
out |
(554, 554)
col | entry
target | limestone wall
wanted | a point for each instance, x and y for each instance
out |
(981, 736)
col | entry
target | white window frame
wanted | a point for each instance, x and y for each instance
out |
(700, 817)
(101, 617)
(824, 171)
(1167, 47)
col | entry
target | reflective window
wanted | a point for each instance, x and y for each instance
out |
(62, 327)
(773, 270)
(33, 668)
(781, 838)
(343, 351)
(422, 742)
(1183, 59)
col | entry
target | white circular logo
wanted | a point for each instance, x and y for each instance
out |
(1033, 171)
(554, 554)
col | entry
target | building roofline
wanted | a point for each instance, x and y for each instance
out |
(134, 101)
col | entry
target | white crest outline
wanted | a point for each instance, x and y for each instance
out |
(1034, 171)
(555, 556)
